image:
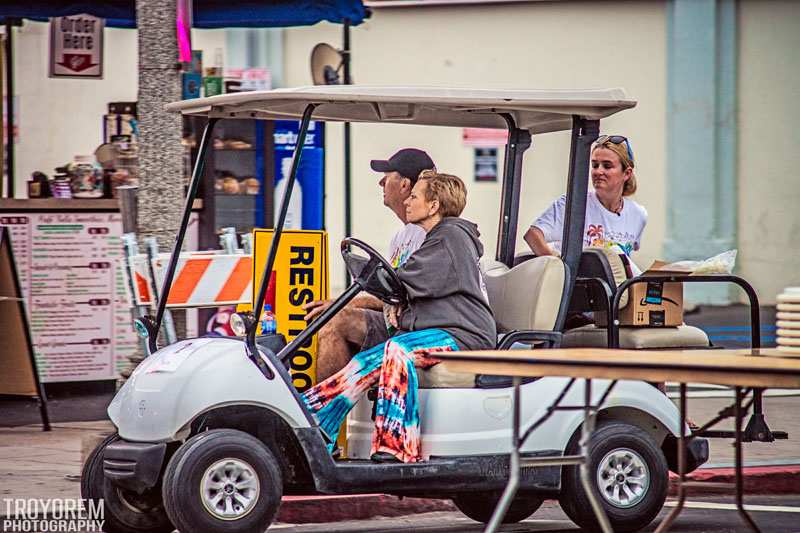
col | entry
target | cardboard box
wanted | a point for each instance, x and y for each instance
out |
(652, 304)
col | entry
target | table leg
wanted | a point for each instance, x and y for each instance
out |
(589, 416)
(513, 468)
(664, 525)
(737, 444)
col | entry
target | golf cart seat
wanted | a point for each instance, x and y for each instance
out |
(525, 298)
(603, 264)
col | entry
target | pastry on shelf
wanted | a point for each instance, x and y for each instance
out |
(251, 185)
(237, 144)
(230, 185)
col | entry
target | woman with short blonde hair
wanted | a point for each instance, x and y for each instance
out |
(447, 310)
(448, 190)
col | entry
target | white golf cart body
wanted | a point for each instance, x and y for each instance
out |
(187, 394)
(174, 386)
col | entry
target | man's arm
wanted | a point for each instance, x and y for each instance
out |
(363, 300)
(535, 239)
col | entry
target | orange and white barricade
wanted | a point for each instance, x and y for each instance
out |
(201, 279)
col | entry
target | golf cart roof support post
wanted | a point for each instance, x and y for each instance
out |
(584, 133)
(197, 173)
(320, 321)
(278, 230)
(519, 140)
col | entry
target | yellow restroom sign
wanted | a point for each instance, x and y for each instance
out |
(299, 276)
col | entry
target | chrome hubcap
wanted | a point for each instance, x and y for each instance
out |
(623, 478)
(229, 489)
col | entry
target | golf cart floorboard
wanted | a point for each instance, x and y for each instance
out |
(438, 474)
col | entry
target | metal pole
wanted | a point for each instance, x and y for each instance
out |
(276, 236)
(513, 467)
(584, 133)
(10, 105)
(737, 443)
(347, 150)
(518, 141)
(187, 211)
(589, 417)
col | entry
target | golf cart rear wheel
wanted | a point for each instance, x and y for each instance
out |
(222, 480)
(480, 506)
(629, 474)
(124, 511)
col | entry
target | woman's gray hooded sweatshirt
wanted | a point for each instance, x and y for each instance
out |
(444, 283)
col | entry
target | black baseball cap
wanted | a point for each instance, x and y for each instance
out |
(408, 162)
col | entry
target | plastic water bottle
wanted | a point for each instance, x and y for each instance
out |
(269, 326)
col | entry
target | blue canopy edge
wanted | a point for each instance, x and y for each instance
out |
(207, 13)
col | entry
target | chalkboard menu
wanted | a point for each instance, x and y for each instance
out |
(71, 275)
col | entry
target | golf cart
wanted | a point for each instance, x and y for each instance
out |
(211, 433)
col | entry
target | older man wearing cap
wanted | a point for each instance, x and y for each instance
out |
(361, 324)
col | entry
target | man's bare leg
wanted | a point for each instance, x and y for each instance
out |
(339, 340)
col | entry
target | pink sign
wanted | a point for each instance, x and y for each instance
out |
(486, 137)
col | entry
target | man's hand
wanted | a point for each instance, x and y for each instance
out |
(315, 308)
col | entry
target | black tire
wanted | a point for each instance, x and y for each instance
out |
(123, 511)
(184, 497)
(480, 506)
(623, 440)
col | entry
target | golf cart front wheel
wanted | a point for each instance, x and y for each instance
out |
(124, 511)
(222, 480)
(629, 475)
(480, 506)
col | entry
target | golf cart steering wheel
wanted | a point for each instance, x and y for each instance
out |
(373, 273)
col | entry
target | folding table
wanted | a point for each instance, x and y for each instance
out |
(744, 370)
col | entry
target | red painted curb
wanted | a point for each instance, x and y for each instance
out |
(782, 479)
(318, 509)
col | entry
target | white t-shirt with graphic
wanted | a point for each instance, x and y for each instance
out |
(601, 228)
(404, 243)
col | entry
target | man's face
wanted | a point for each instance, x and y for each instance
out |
(396, 189)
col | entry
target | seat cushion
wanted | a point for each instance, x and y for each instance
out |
(439, 377)
(682, 336)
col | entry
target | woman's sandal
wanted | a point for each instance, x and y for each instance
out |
(384, 457)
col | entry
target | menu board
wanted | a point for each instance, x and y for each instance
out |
(71, 276)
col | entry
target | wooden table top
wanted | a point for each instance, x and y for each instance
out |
(746, 368)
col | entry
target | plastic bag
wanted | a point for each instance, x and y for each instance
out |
(719, 264)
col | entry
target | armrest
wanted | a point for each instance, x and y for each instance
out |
(590, 294)
(551, 338)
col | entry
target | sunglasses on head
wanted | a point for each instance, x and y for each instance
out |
(616, 139)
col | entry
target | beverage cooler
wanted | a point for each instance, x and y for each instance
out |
(244, 176)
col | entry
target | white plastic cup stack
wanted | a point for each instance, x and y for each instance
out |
(788, 321)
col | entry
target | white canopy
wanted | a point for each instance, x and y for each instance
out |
(538, 111)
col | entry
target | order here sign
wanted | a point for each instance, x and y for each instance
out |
(76, 47)
(299, 276)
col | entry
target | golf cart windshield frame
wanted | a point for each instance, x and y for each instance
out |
(520, 112)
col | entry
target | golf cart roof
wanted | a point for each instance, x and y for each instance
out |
(538, 111)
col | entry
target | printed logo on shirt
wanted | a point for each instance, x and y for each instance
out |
(596, 235)
(403, 252)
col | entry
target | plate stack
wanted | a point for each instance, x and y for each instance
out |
(788, 321)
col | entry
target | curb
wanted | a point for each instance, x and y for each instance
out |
(782, 479)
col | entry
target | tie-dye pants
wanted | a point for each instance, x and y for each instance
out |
(392, 366)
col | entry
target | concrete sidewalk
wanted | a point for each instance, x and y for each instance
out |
(37, 464)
